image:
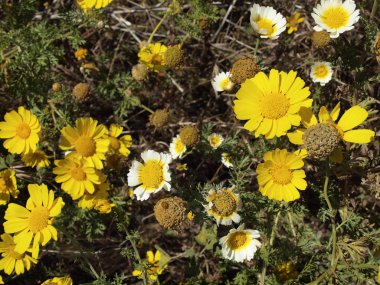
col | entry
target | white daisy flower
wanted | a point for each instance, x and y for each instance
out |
(151, 176)
(223, 206)
(267, 22)
(335, 16)
(240, 244)
(177, 148)
(321, 72)
(215, 140)
(227, 160)
(222, 82)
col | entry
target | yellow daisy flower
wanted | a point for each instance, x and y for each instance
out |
(20, 130)
(89, 4)
(76, 175)
(35, 221)
(151, 176)
(293, 21)
(36, 158)
(154, 267)
(119, 145)
(152, 56)
(8, 186)
(177, 148)
(335, 16)
(240, 244)
(81, 53)
(12, 261)
(103, 206)
(279, 176)
(271, 104)
(333, 132)
(87, 140)
(223, 206)
(215, 140)
(1, 280)
(59, 281)
(267, 21)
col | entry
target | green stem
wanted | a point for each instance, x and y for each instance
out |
(136, 253)
(256, 46)
(334, 259)
(271, 240)
(332, 214)
(184, 39)
(374, 9)
(292, 225)
(359, 266)
(146, 108)
(158, 26)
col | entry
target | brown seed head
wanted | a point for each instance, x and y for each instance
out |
(81, 91)
(189, 135)
(320, 39)
(243, 69)
(139, 72)
(321, 140)
(171, 212)
(173, 57)
(160, 118)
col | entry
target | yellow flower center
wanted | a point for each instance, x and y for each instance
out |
(151, 174)
(224, 204)
(78, 173)
(179, 146)
(38, 219)
(266, 26)
(335, 17)
(13, 254)
(214, 140)
(85, 146)
(23, 130)
(237, 240)
(224, 83)
(321, 71)
(274, 106)
(281, 174)
(114, 142)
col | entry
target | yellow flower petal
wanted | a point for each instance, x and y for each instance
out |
(296, 137)
(352, 118)
(335, 112)
(359, 136)
(307, 117)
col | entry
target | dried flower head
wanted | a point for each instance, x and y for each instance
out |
(243, 69)
(321, 140)
(171, 212)
(173, 56)
(320, 39)
(139, 72)
(189, 135)
(81, 91)
(160, 118)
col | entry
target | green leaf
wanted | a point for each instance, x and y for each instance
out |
(207, 236)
